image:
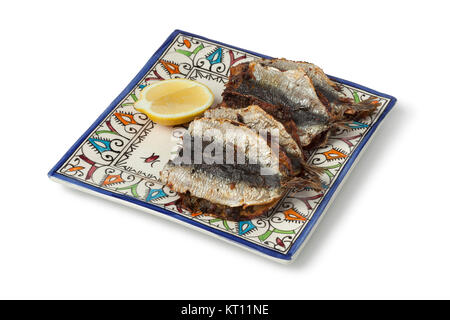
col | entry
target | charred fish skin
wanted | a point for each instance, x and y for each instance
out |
(230, 184)
(292, 88)
(235, 98)
(246, 141)
(320, 80)
(233, 184)
(195, 205)
(287, 95)
(342, 106)
(322, 83)
(218, 190)
(258, 120)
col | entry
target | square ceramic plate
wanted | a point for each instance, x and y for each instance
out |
(119, 157)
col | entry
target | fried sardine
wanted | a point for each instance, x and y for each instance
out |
(298, 94)
(257, 119)
(236, 187)
(329, 91)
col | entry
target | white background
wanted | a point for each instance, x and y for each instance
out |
(386, 236)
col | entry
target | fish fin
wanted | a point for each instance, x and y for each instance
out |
(321, 139)
(324, 101)
(303, 182)
(362, 109)
(309, 177)
(338, 87)
(346, 100)
(340, 123)
(313, 174)
(312, 170)
(348, 110)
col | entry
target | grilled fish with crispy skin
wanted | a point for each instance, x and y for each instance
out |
(257, 119)
(234, 190)
(328, 90)
(229, 184)
(289, 96)
(298, 94)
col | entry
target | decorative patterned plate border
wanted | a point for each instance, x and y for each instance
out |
(104, 161)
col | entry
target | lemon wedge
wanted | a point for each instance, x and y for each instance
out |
(176, 101)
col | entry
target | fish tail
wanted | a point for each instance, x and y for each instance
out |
(310, 177)
(312, 170)
(338, 87)
(340, 123)
(313, 175)
(346, 100)
(361, 109)
(303, 182)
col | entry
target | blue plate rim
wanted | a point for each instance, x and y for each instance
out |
(275, 254)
